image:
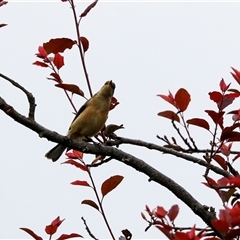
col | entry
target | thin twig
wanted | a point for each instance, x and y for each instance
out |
(100, 205)
(99, 163)
(77, 26)
(181, 136)
(88, 230)
(29, 95)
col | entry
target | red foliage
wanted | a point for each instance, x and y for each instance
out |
(74, 154)
(71, 88)
(114, 103)
(85, 43)
(80, 183)
(58, 61)
(87, 10)
(77, 164)
(110, 184)
(31, 233)
(169, 98)
(3, 3)
(170, 115)
(52, 228)
(199, 122)
(58, 45)
(236, 75)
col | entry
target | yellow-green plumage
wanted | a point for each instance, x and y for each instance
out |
(89, 120)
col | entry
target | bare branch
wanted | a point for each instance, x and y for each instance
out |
(29, 95)
(152, 146)
(88, 230)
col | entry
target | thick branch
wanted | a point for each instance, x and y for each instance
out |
(152, 146)
(117, 154)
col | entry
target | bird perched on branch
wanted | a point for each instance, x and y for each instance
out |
(89, 120)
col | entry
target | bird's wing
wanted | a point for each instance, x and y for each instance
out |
(82, 108)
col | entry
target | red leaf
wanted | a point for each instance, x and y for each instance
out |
(223, 181)
(169, 98)
(220, 160)
(228, 132)
(211, 181)
(150, 213)
(233, 95)
(181, 236)
(236, 157)
(182, 98)
(160, 212)
(67, 236)
(41, 52)
(226, 149)
(226, 101)
(216, 117)
(236, 75)
(165, 229)
(58, 45)
(86, 11)
(223, 85)
(232, 234)
(110, 184)
(31, 233)
(234, 181)
(235, 215)
(169, 114)
(215, 96)
(52, 228)
(3, 3)
(90, 203)
(143, 216)
(224, 215)
(3, 25)
(220, 225)
(55, 78)
(57, 221)
(173, 212)
(71, 88)
(199, 122)
(113, 104)
(85, 43)
(58, 60)
(74, 154)
(76, 164)
(80, 183)
(41, 64)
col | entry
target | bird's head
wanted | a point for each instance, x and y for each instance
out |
(108, 89)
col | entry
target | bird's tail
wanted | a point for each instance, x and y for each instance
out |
(55, 153)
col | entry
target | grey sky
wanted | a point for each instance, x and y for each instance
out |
(146, 49)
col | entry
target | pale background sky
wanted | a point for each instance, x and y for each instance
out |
(146, 49)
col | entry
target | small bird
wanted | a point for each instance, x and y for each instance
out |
(89, 120)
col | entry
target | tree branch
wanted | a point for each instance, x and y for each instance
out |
(152, 146)
(29, 95)
(128, 159)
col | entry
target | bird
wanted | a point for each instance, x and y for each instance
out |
(89, 120)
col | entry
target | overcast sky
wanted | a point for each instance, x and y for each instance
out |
(146, 49)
